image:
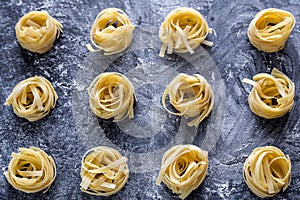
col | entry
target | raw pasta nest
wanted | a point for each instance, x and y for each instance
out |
(191, 96)
(32, 98)
(272, 95)
(270, 29)
(104, 171)
(37, 31)
(183, 30)
(183, 169)
(112, 96)
(267, 171)
(31, 170)
(111, 31)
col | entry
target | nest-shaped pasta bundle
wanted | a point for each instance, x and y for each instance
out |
(183, 30)
(191, 96)
(111, 31)
(37, 31)
(267, 171)
(104, 171)
(31, 170)
(32, 98)
(112, 96)
(270, 29)
(272, 95)
(183, 169)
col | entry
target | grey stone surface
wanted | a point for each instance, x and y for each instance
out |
(64, 133)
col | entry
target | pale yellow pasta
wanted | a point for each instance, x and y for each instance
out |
(31, 170)
(37, 31)
(270, 29)
(272, 95)
(104, 171)
(183, 30)
(32, 98)
(267, 171)
(112, 96)
(111, 31)
(191, 96)
(183, 169)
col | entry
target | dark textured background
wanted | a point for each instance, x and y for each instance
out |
(233, 54)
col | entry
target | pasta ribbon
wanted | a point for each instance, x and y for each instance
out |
(104, 171)
(267, 171)
(112, 96)
(32, 98)
(183, 30)
(191, 96)
(31, 170)
(270, 29)
(272, 95)
(183, 169)
(111, 31)
(37, 31)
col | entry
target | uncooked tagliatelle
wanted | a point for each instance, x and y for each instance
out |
(270, 29)
(37, 31)
(112, 96)
(183, 30)
(32, 98)
(31, 170)
(272, 95)
(267, 171)
(104, 171)
(191, 96)
(111, 31)
(183, 169)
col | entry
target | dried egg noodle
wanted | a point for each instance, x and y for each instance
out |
(104, 171)
(267, 171)
(32, 98)
(183, 30)
(270, 29)
(272, 95)
(191, 96)
(111, 31)
(112, 95)
(31, 170)
(183, 169)
(37, 31)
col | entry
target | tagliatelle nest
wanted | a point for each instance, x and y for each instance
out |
(104, 171)
(272, 95)
(37, 31)
(31, 170)
(270, 29)
(191, 96)
(112, 96)
(267, 171)
(111, 31)
(183, 30)
(183, 169)
(32, 98)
